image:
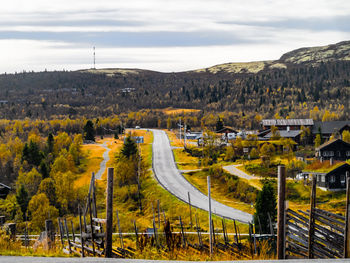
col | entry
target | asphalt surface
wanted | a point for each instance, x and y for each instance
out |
(103, 164)
(171, 179)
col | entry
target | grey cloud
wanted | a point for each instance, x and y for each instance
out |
(134, 39)
(340, 23)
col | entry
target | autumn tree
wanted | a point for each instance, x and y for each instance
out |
(317, 140)
(40, 210)
(346, 136)
(30, 181)
(47, 186)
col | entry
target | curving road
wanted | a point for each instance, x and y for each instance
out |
(170, 178)
(103, 164)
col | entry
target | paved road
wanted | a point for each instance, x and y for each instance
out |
(171, 179)
(103, 164)
(232, 169)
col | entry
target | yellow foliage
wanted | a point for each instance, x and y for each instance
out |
(41, 210)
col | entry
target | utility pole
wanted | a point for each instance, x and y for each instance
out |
(94, 59)
(210, 222)
(180, 129)
(185, 135)
(138, 176)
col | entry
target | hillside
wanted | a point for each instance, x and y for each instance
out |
(300, 79)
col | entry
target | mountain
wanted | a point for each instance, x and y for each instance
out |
(291, 86)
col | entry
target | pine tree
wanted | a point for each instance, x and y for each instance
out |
(50, 143)
(22, 199)
(129, 147)
(89, 131)
(219, 124)
(265, 205)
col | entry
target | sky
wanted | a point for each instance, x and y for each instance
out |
(162, 35)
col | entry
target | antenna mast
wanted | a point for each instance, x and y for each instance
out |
(94, 59)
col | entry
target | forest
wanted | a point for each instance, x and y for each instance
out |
(284, 88)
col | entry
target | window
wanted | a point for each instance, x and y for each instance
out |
(332, 179)
(323, 178)
(342, 179)
(331, 153)
(347, 153)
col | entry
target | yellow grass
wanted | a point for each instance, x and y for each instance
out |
(94, 153)
(201, 184)
(172, 111)
(174, 141)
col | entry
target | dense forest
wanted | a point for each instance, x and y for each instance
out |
(293, 86)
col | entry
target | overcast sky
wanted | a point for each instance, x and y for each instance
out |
(162, 35)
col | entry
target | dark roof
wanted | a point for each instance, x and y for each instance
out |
(325, 167)
(331, 142)
(286, 134)
(329, 127)
(226, 128)
(287, 122)
(4, 186)
(263, 133)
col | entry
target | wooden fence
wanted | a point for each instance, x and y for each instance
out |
(314, 233)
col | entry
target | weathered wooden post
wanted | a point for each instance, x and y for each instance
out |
(2, 220)
(61, 231)
(312, 217)
(73, 233)
(81, 233)
(109, 213)
(67, 233)
(158, 208)
(347, 218)
(49, 232)
(210, 220)
(189, 203)
(12, 230)
(281, 212)
(120, 232)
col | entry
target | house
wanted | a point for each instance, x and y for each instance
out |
(336, 149)
(227, 133)
(292, 134)
(285, 124)
(329, 175)
(226, 130)
(327, 128)
(4, 190)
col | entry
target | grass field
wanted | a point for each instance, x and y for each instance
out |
(93, 153)
(172, 111)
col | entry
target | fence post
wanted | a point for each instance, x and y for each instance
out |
(210, 220)
(281, 212)
(189, 203)
(49, 232)
(109, 213)
(312, 217)
(2, 220)
(81, 233)
(347, 217)
(12, 230)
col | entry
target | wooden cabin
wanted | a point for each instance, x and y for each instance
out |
(336, 149)
(329, 176)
